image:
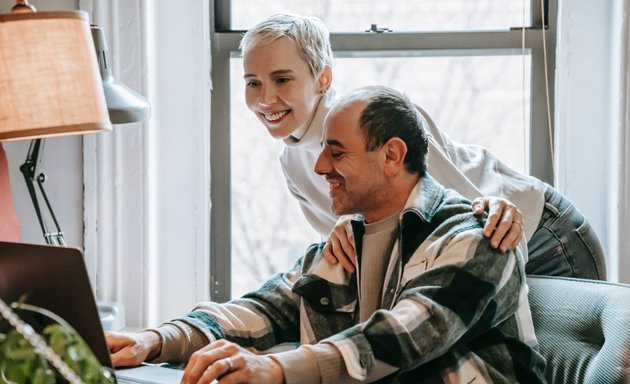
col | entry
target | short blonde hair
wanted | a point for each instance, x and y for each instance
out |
(309, 33)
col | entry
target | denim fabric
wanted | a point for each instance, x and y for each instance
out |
(564, 243)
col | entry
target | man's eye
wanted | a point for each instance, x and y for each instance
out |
(336, 155)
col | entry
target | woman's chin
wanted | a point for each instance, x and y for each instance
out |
(279, 133)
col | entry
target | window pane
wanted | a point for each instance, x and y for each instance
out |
(476, 100)
(481, 100)
(400, 15)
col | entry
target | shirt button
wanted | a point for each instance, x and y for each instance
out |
(324, 301)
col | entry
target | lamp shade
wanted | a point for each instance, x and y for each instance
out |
(50, 83)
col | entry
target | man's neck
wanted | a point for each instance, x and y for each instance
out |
(396, 199)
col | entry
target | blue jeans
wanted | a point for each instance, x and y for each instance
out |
(564, 243)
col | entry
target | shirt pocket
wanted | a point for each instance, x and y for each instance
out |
(418, 263)
(325, 296)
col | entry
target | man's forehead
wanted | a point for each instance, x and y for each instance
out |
(344, 118)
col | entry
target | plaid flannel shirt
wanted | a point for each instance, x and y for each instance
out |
(454, 310)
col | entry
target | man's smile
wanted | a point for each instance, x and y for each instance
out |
(334, 182)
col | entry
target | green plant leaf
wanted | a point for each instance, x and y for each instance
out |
(20, 364)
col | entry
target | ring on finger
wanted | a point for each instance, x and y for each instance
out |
(518, 222)
(230, 363)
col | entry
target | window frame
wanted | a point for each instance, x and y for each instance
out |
(225, 43)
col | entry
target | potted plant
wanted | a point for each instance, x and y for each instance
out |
(59, 354)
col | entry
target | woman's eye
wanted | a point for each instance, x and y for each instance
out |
(251, 84)
(283, 80)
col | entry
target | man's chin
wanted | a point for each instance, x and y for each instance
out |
(341, 210)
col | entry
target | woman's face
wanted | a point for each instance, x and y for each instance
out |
(280, 88)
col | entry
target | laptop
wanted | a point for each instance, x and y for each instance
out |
(55, 278)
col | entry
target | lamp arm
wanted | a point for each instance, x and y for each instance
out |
(28, 171)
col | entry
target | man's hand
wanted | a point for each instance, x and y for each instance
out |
(230, 363)
(340, 246)
(505, 221)
(132, 349)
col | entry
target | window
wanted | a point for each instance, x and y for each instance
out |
(479, 79)
(357, 15)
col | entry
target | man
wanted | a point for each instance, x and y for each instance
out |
(431, 301)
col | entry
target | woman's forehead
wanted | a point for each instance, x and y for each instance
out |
(280, 54)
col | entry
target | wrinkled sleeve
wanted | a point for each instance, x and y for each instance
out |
(260, 320)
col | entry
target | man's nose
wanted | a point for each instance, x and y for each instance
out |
(322, 165)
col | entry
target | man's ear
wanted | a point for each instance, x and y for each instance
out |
(325, 79)
(395, 151)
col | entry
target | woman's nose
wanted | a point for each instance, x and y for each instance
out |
(267, 96)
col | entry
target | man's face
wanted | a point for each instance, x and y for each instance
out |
(355, 176)
(280, 89)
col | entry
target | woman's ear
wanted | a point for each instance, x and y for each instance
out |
(325, 79)
(395, 151)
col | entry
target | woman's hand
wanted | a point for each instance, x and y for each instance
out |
(340, 245)
(504, 226)
(229, 363)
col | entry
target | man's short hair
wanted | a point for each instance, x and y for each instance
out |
(387, 114)
(309, 33)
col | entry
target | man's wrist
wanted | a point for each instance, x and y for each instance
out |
(277, 373)
(153, 342)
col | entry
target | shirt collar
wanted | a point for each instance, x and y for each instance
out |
(423, 201)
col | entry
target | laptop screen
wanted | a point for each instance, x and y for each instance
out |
(54, 278)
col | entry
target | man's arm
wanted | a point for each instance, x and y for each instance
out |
(261, 319)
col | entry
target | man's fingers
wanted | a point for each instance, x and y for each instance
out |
(210, 362)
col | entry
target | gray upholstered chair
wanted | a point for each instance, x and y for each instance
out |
(583, 329)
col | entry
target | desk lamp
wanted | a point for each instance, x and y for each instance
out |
(50, 86)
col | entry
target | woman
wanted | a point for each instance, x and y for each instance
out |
(288, 73)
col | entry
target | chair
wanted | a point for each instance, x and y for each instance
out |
(583, 329)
